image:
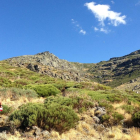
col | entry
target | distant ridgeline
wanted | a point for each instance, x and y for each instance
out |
(116, 71)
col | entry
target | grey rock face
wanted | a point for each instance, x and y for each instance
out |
(100, 111)
(45, 58)
(47, 63)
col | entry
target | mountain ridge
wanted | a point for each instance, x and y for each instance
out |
(120, 69)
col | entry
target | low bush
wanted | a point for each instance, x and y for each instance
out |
(128, 108)
(53, 116)
(101, 87)
(105, 118)
(60, 86)
(114, 98)
(78, 103)
(4, 82)
(6, 110)
(136, 118)
(44, 90)
(20, 83)
(117, 117)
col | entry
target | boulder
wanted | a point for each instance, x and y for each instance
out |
(100, 111)
(45, 134)
(96, 119)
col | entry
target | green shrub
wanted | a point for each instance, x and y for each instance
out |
(4, 82)
(44, 90)
(61, 86)
(117, 117)
(20, 83)
(78, 86)
(114, 98)
(60, 117)
(60, 100)
(54, 116)
(101, 87)
(70, 84)
(105, 117)
(6, 110)
(136, 118)
(128, 108)
(28, 115)
(78, 103)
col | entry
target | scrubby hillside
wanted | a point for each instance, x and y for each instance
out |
(117, 70)
(39, 106)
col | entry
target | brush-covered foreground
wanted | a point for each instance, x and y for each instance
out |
(37, 106)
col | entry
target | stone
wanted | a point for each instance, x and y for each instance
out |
(100, 111)
(45, 134)
(38, 132)
(96, 119)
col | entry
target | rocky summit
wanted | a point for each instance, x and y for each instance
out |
(114, 72)
(49, 64)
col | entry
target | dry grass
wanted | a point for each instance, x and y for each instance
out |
(116, 105)
(17, 136)
(127, 116)
(22, 100)
(121, 111)
(135, 133)
(115, 134)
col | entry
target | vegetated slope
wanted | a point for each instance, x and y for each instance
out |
(133, 85)
(117, 70)
(88, 109)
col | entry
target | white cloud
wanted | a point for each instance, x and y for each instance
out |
(96, 29)
(82, 32)
(78, 27)
(101, 30)
(112, 2)
(138, 3)
(104, 30)
(103, 12)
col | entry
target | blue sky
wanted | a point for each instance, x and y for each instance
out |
(75, 30)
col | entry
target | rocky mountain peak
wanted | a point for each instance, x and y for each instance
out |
(47, 63)
(135, 52)
(47, 54)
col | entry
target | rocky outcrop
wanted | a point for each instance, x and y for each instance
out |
(48, 64)
(44, 58)
(105, 72)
